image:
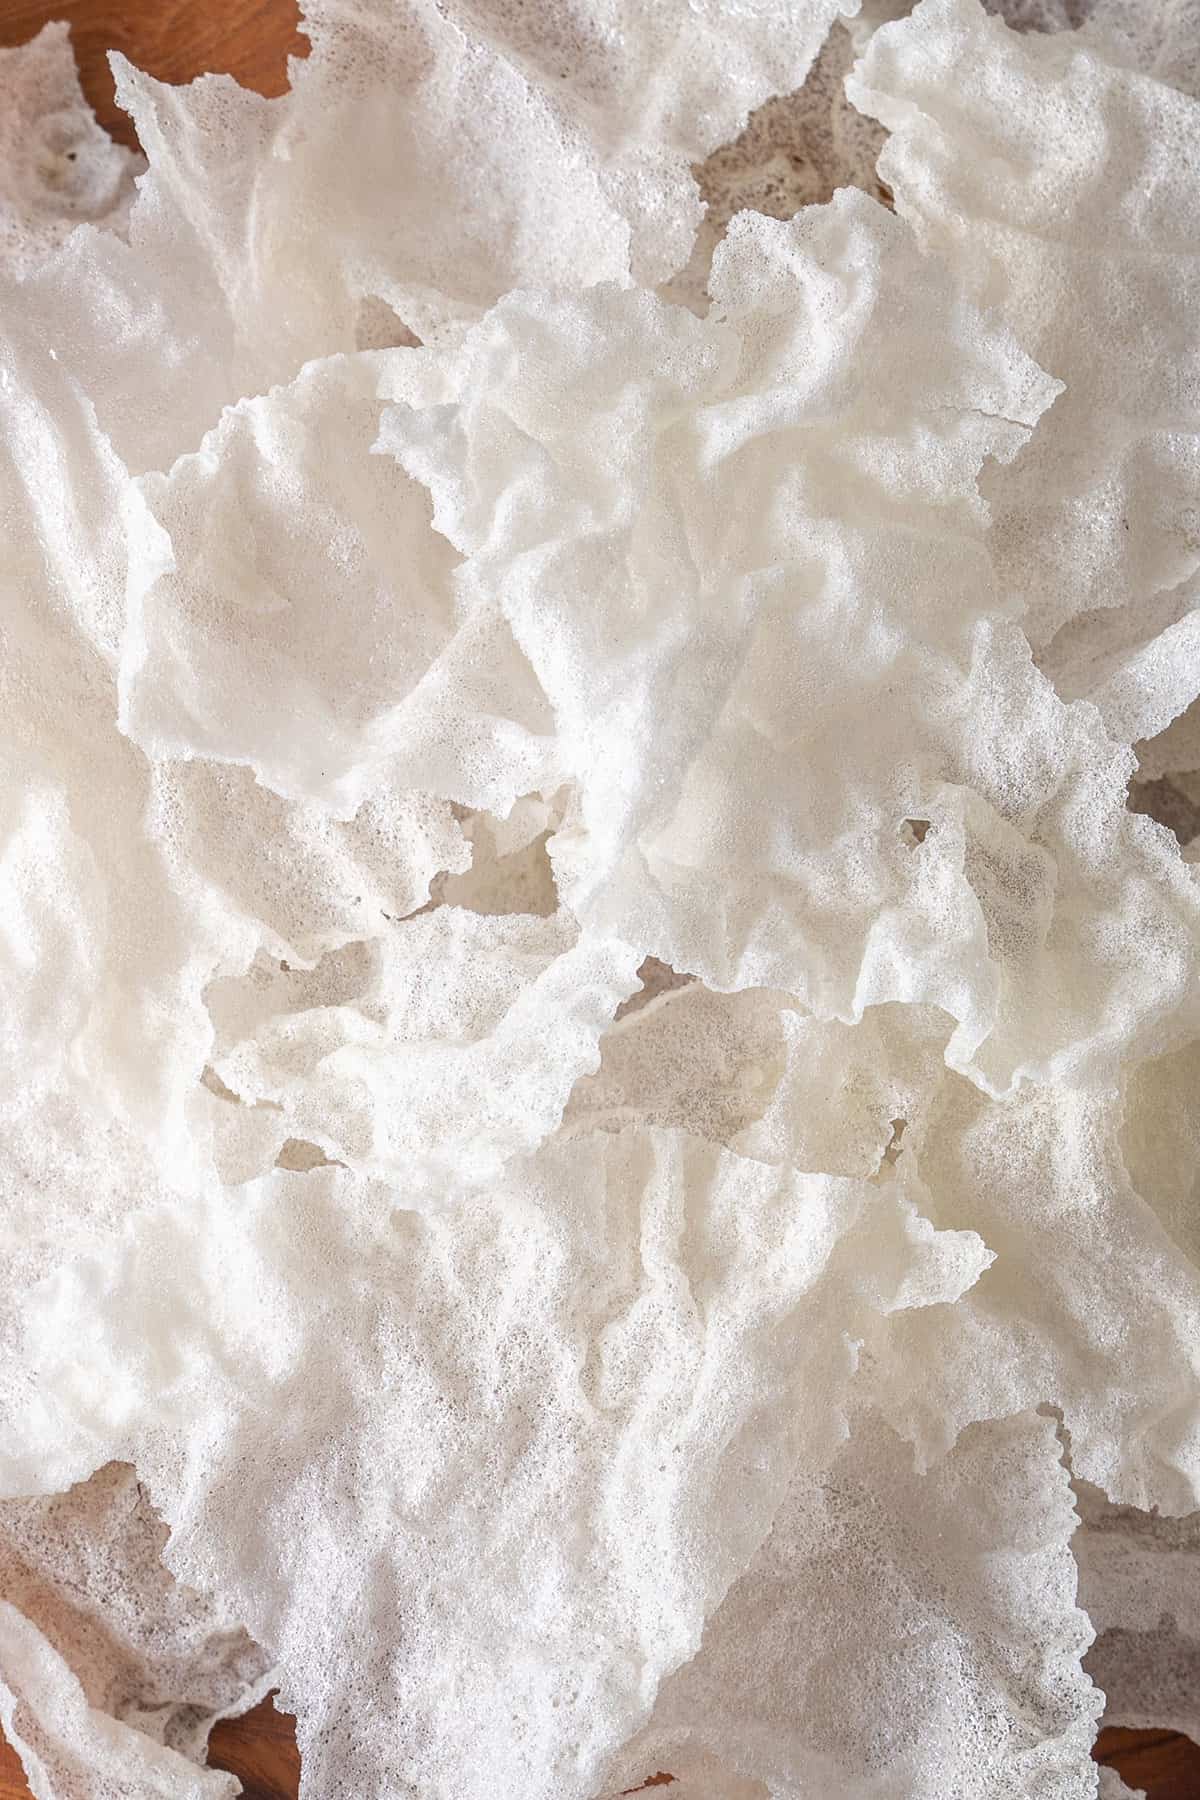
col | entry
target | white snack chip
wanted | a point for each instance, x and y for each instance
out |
(594, 1377)
(600, 902)
(731, 642)
(69, 1747)
(985, 1695)
(1100, 511)
(84, 1570)
(58, 168)
(435, 1053)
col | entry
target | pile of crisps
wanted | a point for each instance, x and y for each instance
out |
(599, 912)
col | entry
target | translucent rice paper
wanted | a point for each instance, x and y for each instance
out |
(1088, 1203)
(1138, 1578)
(1085, 1279)
(986, 1696)
(657, 607)
(238, 609)
(438, 1051)
(595, 1379)
(129, 886)
(1161, 40)
(1100, 512)
(109, 1670)
(69, 1747)
(258, 235)
(608, 104)
(103, 1018)
(57, 167)
(795, 150)
(599, 1053)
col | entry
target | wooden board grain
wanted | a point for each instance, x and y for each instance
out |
(172, 39)
(252, 40)
(260, 1749)
(1165, 1764)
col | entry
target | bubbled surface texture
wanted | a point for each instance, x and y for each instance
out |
(598, 903)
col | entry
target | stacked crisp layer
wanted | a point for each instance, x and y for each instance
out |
(600, 1073)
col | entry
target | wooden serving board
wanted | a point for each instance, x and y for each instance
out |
(172, 39)
(260, 1749)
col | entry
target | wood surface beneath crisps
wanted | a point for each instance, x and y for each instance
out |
(252, 40)
(260, 1749)
(171, 39)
